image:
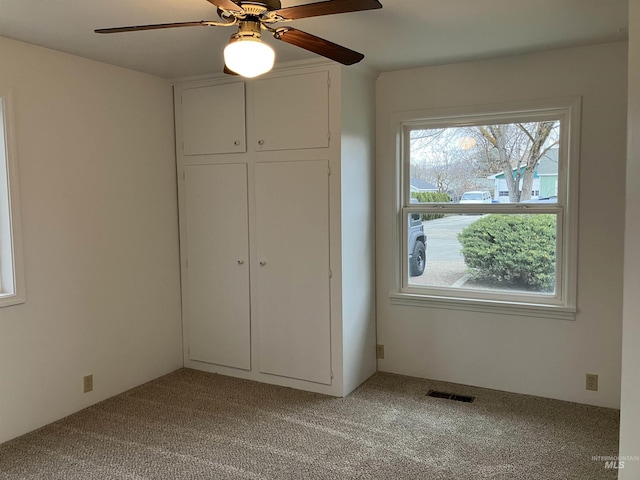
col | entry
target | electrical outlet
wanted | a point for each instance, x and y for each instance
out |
(88, 383)
(379, 351)
(592, 382)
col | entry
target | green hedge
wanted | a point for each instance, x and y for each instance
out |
(518, 250)
(431, 197)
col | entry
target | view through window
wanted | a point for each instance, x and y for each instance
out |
(485, 208)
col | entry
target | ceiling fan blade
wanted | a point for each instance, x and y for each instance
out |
(328, 7)
(157, 26)
(228, 71)
(226, 5)
(318, 45)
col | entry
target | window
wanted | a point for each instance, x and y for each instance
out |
(500, 231)
(11, 286)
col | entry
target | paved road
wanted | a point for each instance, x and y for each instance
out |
(445, 264)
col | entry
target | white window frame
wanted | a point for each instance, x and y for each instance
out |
(562, 304)
(12, 289)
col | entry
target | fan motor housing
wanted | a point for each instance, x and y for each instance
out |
(250, 27)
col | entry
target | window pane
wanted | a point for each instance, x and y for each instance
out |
(504, 163)
(6, 254)
(11, 282)
(493, 252)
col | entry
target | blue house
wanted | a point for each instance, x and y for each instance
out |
(545, 179)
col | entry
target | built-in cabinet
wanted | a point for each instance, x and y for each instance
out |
(269, 292)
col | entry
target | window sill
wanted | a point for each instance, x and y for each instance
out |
(9, 299)
(484, 306)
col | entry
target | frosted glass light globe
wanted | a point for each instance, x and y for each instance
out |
(249, 57)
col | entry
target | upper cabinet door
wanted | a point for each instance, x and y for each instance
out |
(213, 119)
(292, 112)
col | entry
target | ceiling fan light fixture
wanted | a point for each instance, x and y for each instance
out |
(245, 54)
(248, 56)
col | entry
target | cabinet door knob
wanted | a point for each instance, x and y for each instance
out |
(240, 262)
(236, 143)
(262, 263)
(260, 142)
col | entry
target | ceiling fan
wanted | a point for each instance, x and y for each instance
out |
(246, 54)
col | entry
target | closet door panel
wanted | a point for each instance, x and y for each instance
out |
(292, 112)
(217, 303)
(293, 297)
(213, 119)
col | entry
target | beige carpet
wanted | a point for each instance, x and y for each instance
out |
(195, 425)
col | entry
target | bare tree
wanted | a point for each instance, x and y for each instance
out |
(536, 151)
(458, 159)
(439, 157)
(519, 148)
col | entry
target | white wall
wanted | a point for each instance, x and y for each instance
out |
(630, 411)
(528, 355)
(358, 227)
(99, 217)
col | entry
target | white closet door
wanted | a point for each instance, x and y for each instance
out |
(217, 291)
(292, 235)
(213, 119)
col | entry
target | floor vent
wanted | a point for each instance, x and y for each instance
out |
(450, 396)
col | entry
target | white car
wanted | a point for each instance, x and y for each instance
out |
(477, 196)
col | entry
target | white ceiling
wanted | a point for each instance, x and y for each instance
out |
(404, 34)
